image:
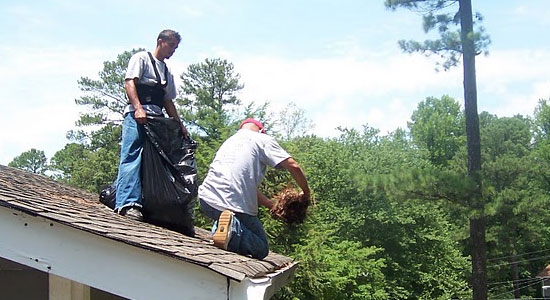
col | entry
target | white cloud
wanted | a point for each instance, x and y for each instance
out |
(39, 127)
(382, 91)
(503, 67)
(350, 91)
(513, 80)
(523, 103)
(40, 85)
(315, 79)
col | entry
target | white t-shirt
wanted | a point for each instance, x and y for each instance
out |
(140, 67)
(237, 170)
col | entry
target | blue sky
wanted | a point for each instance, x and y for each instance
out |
(337, 60)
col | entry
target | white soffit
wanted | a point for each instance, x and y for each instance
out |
(112, 266)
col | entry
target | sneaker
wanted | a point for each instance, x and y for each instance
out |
(132, 213)
(222, 236)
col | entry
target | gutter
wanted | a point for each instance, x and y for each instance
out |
(261, 288)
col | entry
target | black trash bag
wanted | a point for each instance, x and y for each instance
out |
(168, 176)
(108, 195)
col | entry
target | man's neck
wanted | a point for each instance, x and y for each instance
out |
(157, 55)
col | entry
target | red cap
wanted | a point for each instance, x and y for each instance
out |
(257, 123)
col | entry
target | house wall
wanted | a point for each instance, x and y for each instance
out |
(113, 266)
(21, 282)
(18, 281)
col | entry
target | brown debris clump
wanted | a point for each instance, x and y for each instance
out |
(290, 207)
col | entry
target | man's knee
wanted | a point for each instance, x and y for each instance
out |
(261, 252)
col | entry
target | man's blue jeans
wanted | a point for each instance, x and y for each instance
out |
(128, 188)
(247, 232)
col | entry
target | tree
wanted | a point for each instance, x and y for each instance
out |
(67, 161)
(542, 121)
(90, 166)
(209, 95)
(91, 160)
(541, 153)
(405, 224)
(292, 122)
(516, 204)
(105, 98)
(412, 239)
(34, 161)
(452, 44)
(339, 269)
(210, 105)
(107, 95)
(437, 125)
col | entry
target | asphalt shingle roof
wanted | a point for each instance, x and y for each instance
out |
(41, 196)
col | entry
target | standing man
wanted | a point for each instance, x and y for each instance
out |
(150, 87)
(230, 195)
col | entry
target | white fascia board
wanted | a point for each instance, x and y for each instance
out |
(262, 288)
(106, 264)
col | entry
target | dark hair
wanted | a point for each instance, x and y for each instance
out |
(168, 34)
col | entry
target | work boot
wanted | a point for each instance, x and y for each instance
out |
(132, 213)
(222, 236)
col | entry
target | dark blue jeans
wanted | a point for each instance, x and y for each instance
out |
(247, 232)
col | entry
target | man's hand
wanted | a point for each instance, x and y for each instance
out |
(173, 113)
(131, 91)
(140, 116)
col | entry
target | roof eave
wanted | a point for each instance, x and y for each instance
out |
(264, 288)
(103, 263)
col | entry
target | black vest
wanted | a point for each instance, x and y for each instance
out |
(153, 94)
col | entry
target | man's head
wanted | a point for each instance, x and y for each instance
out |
(253, 125)
(167, 43)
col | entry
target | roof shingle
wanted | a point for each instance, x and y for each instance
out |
(41, 196)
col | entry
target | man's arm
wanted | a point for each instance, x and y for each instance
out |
(292, 166)
(173, 112)
(131, 91)
(264, 201)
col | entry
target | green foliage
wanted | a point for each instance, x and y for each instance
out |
(91, 161)
(338, 269)
(209, 95)
(208, 105)
(33, 161)
(389, 217)
(516, 203)
(411, 242)
(292, 122)
(411, 224)
(68, 161)
(458, 38)
(423, 259)
(541, 152)
(439, 15)
(89, 166)
(437, 125)
(541, 160)
(542, 121)
(106, 95)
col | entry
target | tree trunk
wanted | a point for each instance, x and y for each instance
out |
(477, 220)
